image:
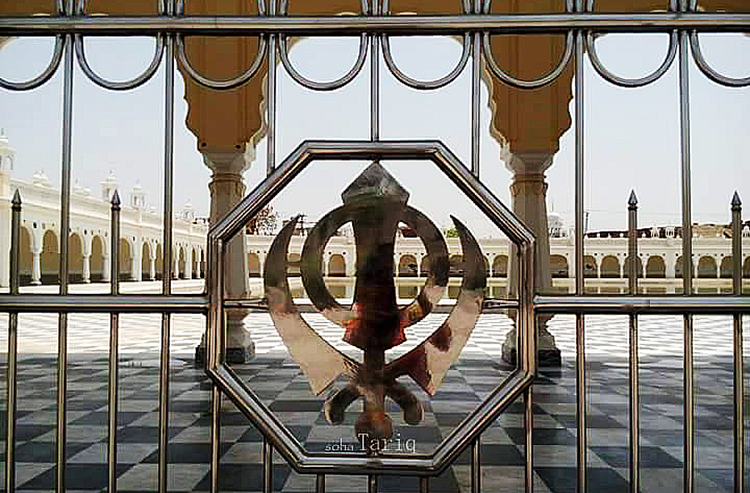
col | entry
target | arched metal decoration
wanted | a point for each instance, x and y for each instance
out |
(375, 203)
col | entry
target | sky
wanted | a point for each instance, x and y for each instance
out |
(631, 137)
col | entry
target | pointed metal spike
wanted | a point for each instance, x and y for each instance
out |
(116, 198)
(633, 200)
(16, 198)
(736, 202)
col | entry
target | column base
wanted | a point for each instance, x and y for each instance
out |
(549, 358)
(234, 356)
(547, 352)
(239, 344)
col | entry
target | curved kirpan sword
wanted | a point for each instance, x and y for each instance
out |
(427, 363)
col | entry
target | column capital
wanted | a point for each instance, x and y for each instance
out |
(232, 161)
(527, 163)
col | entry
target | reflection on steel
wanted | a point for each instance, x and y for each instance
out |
(375, 204)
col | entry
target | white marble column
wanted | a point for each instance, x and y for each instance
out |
(188, 263)
(151, 267)
(86, 269)
(227, 189)
(136, 269)
(669, 262)
(529, 192)
(262, 261)
(105, 266)
(36, 268)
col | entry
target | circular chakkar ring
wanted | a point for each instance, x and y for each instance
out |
(312, 255)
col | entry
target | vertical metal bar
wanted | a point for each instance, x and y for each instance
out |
(687, 264)
(581, 402)
(320, 483)
(739, 389)
(215, 436)
(374, 77)
(267, 466)
(164, 402)
(424, 484)
(476, 466)
(10, 437)
(167, 267)
(271, 96)
(372, 483)
(62, 390)
(476, 74)
(689, 407)
(114, 280)
(633, 270)
(633, 243)
(12, 385)
(62, 328)
(580, 326)
(215, 341)
(529, 449)
(736, 244)
(635, 432)
(579, 158)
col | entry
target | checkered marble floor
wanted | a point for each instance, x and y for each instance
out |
(277, 380)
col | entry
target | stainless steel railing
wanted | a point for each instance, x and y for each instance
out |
(373, 25)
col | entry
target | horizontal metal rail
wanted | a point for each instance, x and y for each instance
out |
(104, 303)
(415, 25)
(644, 305)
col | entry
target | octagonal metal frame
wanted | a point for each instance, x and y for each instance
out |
(266, 422)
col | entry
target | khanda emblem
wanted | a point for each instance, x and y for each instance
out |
(375, 204)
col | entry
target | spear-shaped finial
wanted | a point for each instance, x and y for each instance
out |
(736, 202)
(16, 199)
(633, 200)
(116, 199)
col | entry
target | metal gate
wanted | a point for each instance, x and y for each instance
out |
(374, 25)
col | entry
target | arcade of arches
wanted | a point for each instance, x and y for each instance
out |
(89, 262)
